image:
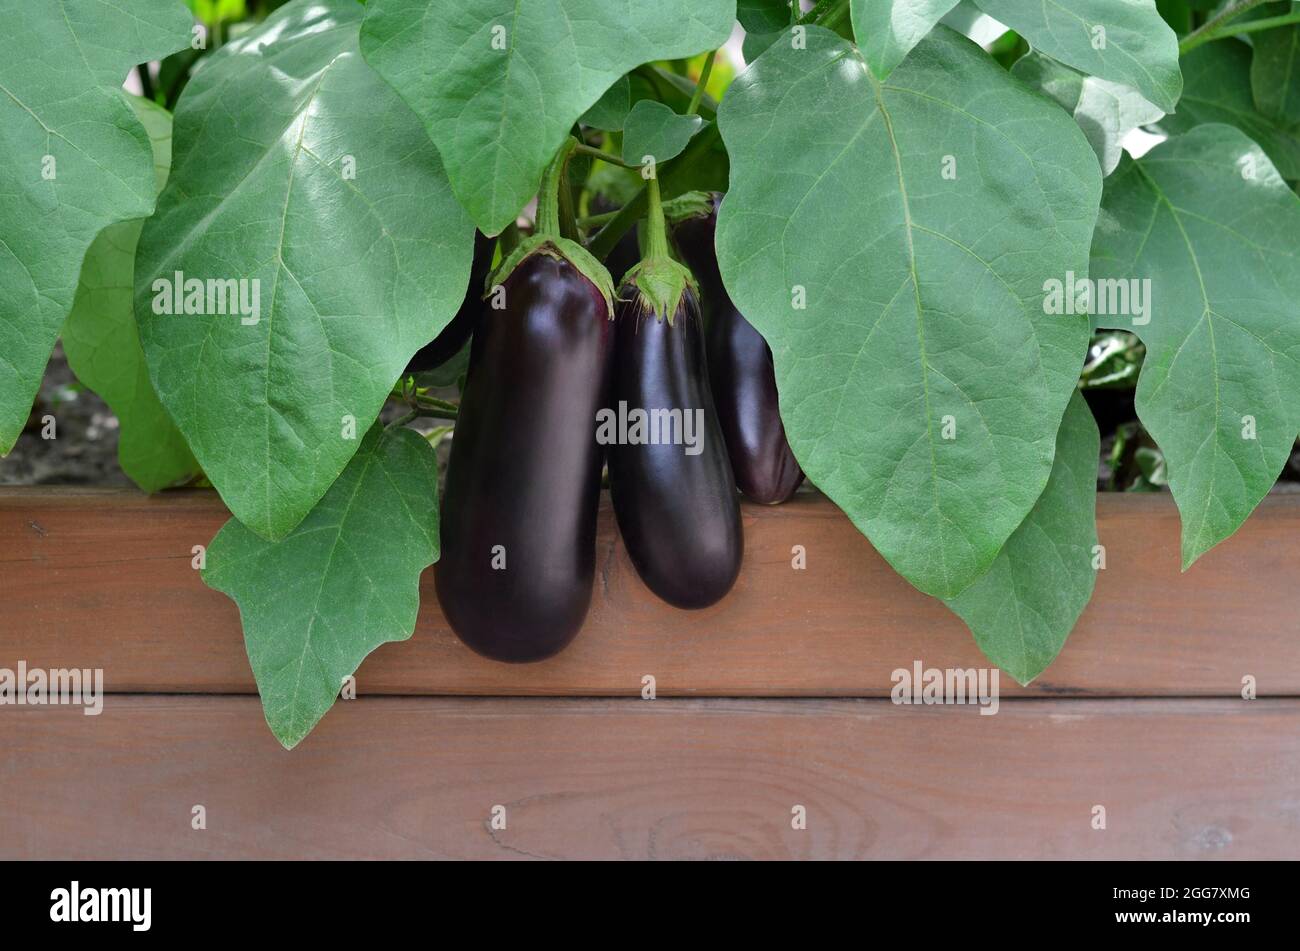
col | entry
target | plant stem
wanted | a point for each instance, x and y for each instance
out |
(629, 214)
(548, 195)
(656, 231)
(146, 82)
(432, 402)
(174, 88)
(837, 17)
(435, 435)
(827, 13)
(818, 9)
(585, 149)
(596, 221)
(694, 107)
(421, 411)
(1268, 23)
(1212, 29)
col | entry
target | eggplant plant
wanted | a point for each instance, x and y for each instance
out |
(940, 224)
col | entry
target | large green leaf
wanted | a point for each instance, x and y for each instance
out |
(296, 167)
(924, 292)
(1124, 41)
(501, 82)
(1024, 607)
(1275, 71)
(102, 343)
(343, 582)
(886, 30)
(1105, 111)
(1206, 218)
(1218, 90)
(75, 160)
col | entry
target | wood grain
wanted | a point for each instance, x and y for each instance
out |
(418, 777)
(97, 578)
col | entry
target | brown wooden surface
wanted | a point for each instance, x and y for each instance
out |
(103, 579)
(418, 777)
(97, 578)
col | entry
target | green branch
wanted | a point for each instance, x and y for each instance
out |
(694, 107)
(1213, 28)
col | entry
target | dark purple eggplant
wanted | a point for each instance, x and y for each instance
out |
(524, 472)
(678, 512)
(451, 339)
(742, 377)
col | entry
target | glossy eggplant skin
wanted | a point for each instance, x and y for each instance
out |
(525, 467)
(742, 376)
(679, 514)
(452, 337)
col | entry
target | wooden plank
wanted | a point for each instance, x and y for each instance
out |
(103, 579)
(418, 778)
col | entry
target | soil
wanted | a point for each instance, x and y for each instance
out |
(84, 448)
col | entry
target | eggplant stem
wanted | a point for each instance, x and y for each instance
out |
(656, 230)
(550, 204)
(1213, 28)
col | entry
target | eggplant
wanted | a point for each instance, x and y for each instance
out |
(675, 503)
(742, 377)
(523, 481)
(451, 339)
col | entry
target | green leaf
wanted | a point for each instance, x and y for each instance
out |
(764, 16)
(924, 292)
(611, 109)
(1058, 82)
(654, 131)
(754, 44)
(1207, 220)
(499, 83)
(342, 583)
(1218, 90)
(1275, 72)
(102, 343)
(1024, 607)
(75, 160)
(1106, 111)
(299, 169)
(887, 30)
(1124, 41)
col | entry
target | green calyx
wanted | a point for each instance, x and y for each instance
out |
(556, 233)
(562, 249)
(660, 284)
(660, 281)
(688, 205)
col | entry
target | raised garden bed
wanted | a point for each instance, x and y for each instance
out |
(1141, 713)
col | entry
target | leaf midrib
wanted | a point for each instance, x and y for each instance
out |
(920, 309)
